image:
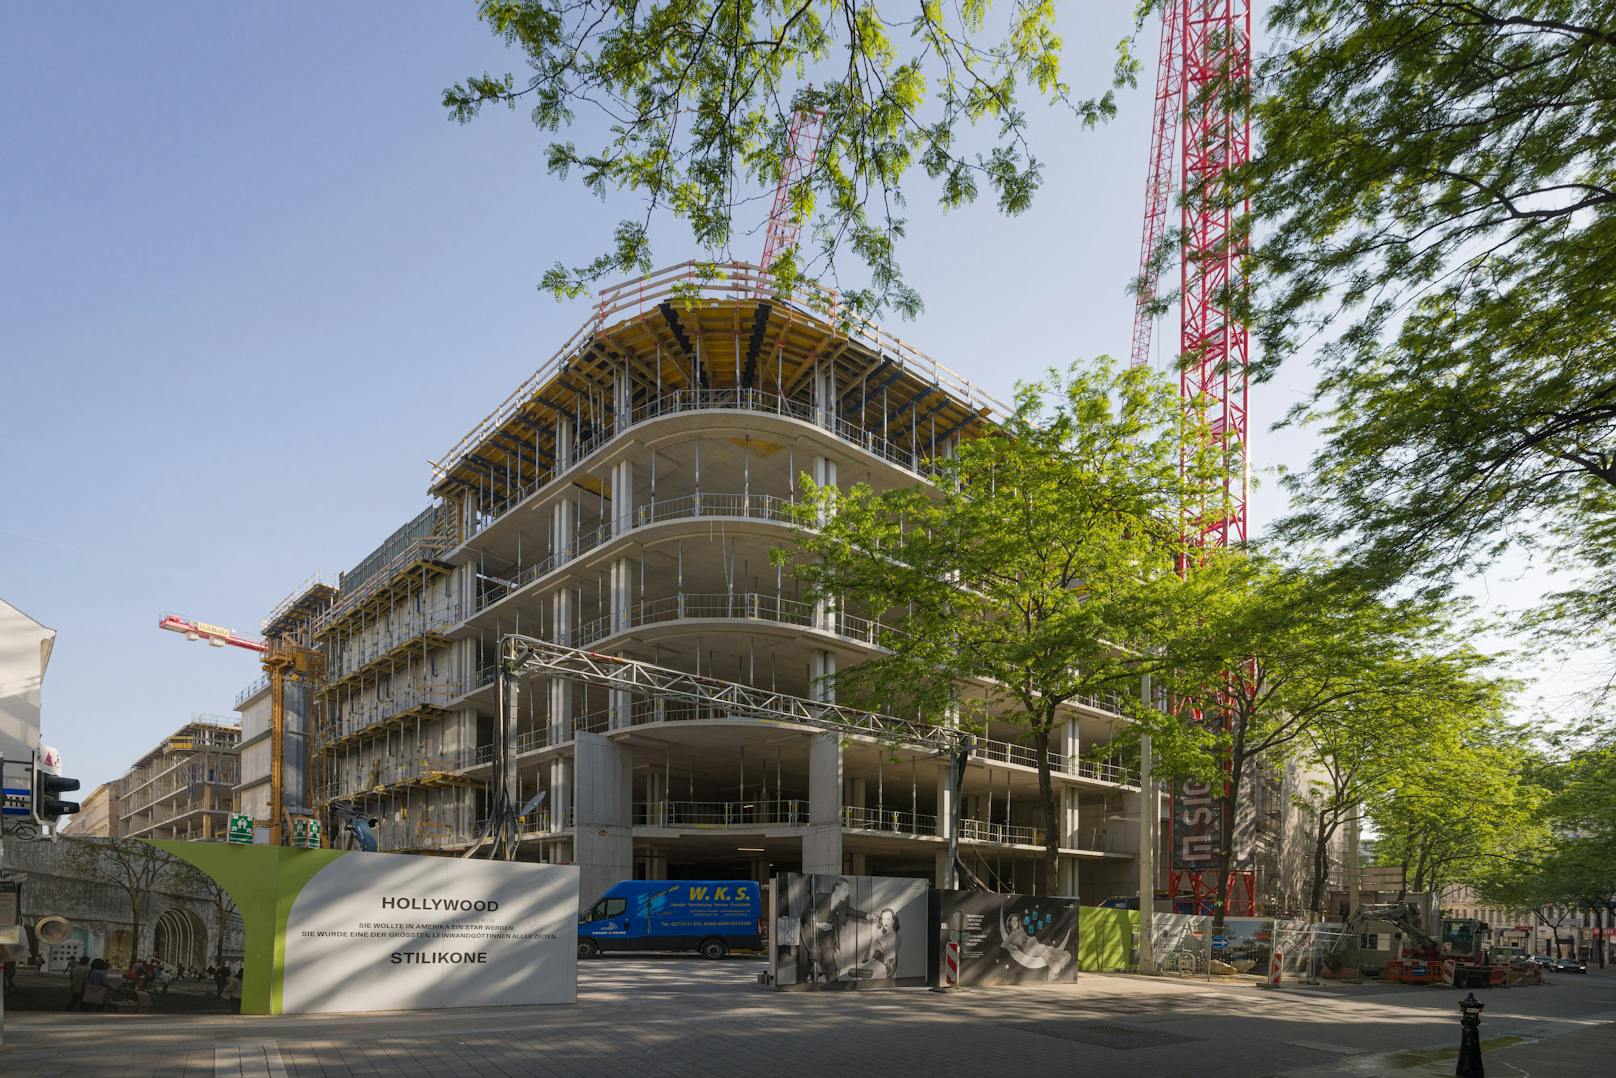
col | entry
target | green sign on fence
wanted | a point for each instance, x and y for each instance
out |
(241, 828)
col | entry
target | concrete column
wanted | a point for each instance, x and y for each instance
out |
(559, 692)
(1066, 874)
(560, 800)
(825, 403)
(822, 845)
(822, 675)
(622, 598)
(622, 496)
(564, 614)
(1072, 825)
(563, 528)
(566, 439)
(858, 864)
(603, 835)
(945, 802)
(622, 401)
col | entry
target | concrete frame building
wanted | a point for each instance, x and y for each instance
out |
(181, 789)
(625, 499)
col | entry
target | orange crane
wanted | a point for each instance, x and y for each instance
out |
(282, 660)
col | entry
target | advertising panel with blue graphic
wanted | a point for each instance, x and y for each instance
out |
(1012, 939)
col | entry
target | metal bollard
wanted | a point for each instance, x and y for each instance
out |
(1470, 1065)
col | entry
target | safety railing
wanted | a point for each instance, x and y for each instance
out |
(738, 605)
(691, 506)
(356, 655)
(357, 718)
(691, 281)
(892, 821)
(1003, 834)
(719, 814)
(678, 402)
(252, 690)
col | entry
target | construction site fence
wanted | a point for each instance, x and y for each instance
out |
(1187, 945)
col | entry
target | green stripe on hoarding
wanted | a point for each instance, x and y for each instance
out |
(263, 881)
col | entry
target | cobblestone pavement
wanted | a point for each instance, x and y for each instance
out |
(687, 1017)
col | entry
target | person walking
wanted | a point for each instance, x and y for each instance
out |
(97, 987)
(78, 974)
(221, 977)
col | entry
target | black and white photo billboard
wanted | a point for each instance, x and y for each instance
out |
(839, 932)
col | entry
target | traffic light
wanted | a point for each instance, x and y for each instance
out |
(47, 805)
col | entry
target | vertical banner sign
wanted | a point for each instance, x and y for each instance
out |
(1197, 825)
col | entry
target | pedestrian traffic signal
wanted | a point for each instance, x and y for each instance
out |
(47, 805)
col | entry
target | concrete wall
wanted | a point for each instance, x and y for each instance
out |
(603, 809)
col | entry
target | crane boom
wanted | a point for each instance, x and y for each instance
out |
(217, 635)
(802, 147)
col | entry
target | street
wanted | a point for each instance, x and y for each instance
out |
(688, 1017)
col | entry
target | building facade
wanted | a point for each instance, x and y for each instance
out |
(625, 499)
(97, 816)
(182, 788)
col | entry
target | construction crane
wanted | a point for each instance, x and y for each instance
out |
(216, 635)
(802, 147)
(1204, 66)
(283, 661)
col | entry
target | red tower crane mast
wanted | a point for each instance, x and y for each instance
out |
(1204, 69)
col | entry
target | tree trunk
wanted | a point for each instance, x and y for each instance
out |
(1230, 798)
(1599, 941)
(1049, 872)
(1321, 864)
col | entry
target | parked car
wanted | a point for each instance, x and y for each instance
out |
(1569, 965)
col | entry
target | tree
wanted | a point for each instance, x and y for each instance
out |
(1275, 650)
(1467, 806)
(1436, 194)
(697, 98)
(1038, 568)
(1360, 749)
(136, 868)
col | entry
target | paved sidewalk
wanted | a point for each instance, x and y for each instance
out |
(688, 1017)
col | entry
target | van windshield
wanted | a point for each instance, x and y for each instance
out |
(608, 907)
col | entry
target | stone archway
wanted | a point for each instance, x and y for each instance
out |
(180, 939)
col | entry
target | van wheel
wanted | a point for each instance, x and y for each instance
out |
(588, 949)
(714, 948)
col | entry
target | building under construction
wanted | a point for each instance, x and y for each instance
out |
(181, 789)
(625, 499)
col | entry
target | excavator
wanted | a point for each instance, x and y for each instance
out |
(1460, 958)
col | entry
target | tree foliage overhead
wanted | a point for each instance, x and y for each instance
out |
(1436, 205)
(696, 98)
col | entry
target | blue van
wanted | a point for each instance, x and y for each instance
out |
(711, 917)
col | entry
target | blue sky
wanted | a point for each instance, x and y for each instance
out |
(244, 242)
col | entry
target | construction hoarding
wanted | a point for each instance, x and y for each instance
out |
(334, 930)
(1011, 939)
(840, 932)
